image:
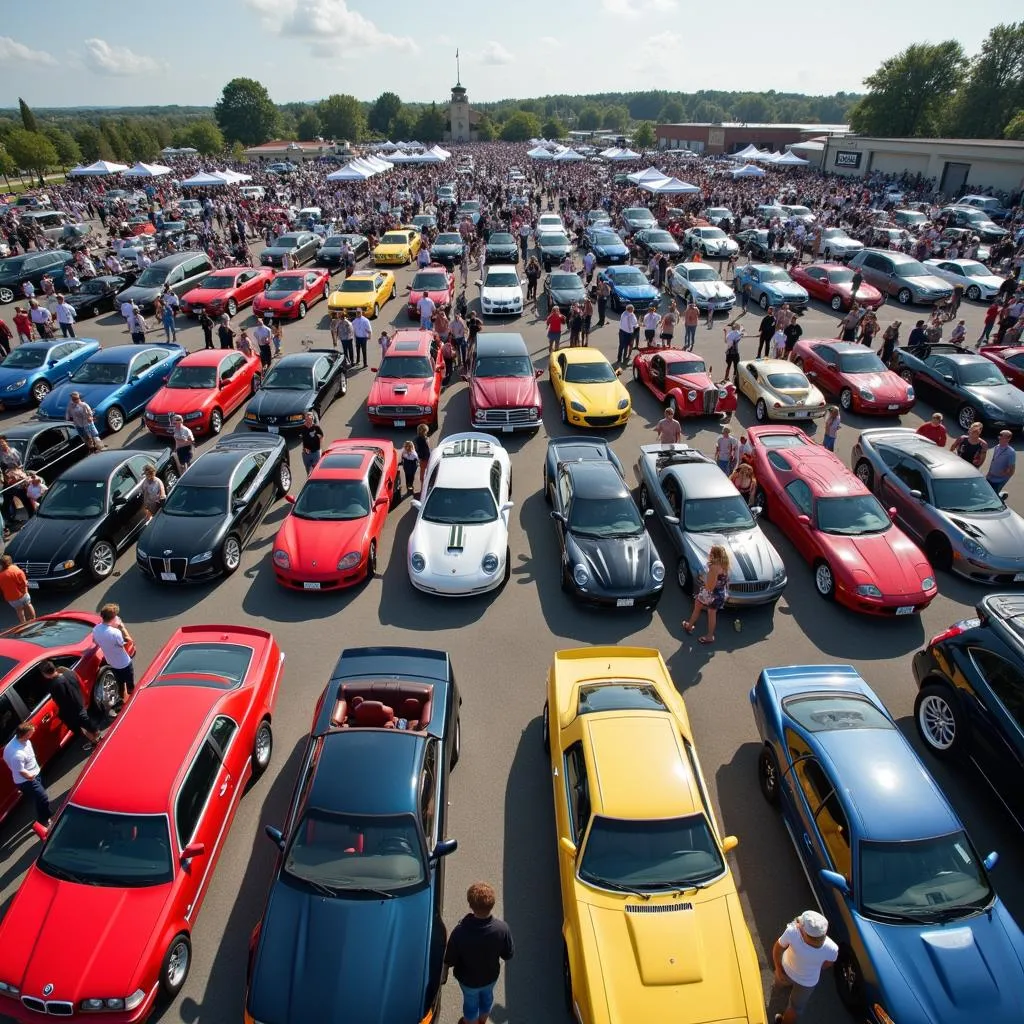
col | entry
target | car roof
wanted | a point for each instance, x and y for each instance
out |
(347, 459)
(299, 272)
(16, 430)
(583, 354)
(841, 348)
(391, 757)
(205, 357)
(964, 358)
(126, 353)
(824, 472)
(100, 465)
(368, 274)
(214, 467)
(703, 479)
(596, 478)
(939, 461)
(301, 358)
(501, 344)
(411, 341)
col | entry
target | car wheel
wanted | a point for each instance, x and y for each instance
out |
(565, 412)
(761, 501)
(850, 982)
(684, 576)
(865, 474)
(101, 559)
(376, 311)
(636, 372)
(545, 728)
(903, 296)
(966, 415)
(508, 567)
(326, 292)
(456, 743)
(547, 487)
(846, 399)
(371, 560)
(231, 554)
(232, 307)
(302, 310)
(40, 390)
(170, 477)
(262, 748)
(939, 552)
(567, 983)
(763, 301)
(115, 418)
(643, 498)
(937, 717)
(836, 303)
(257, 380)
(907, 375)
(106, 691)
(6, 295)
(768, 775)
(284, 479)
(216, 422)
(974, 293)
(761, 411)
(824, 580)
(175, 966)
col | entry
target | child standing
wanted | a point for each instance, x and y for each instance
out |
(410, 463)
(422, 450)
(276, 338)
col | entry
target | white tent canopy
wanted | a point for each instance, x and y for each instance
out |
(747, 152)
(748, 171)
(790, 159)
(378, 163)
(97, 170)
(650, 174)
(540, 153)
(233, 177)
(621, 155)
(141, 170)
(350, 173)
(568, 155)
(387, 147)
(438, 151)
(204, 179)
(810, 146)
(669, 186)
(766, 157)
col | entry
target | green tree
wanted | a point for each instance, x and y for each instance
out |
(140, 142)
(709, 111)
(63, 142)
(552, 128)
(383, 111)
(910, 94)
(520, 127)
(92, 144)
(237, 151)
(203, 135)
(1015, 128)
(7, 166)
(342, 117)
(431, 124)
(644, 137)
(753, 107)
(111, 132)
(403, 125)
(589, 119)
(28, 119)
(31, 151)
(485, 130)
(994, 89)
(308, 127)
(245, 112)
(616, 118)
(672, 112)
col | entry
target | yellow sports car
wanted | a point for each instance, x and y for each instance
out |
(652, 925)
(588, 390)
(779, 390)
(364, 292)
(399, 246)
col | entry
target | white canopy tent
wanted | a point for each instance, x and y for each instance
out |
(790, 159)
(568, 156)
(378, 163)
(363, 164)
(670, 186)
(540, 153)
(746, 153)
(621, 155)
(97, 170)
(765, 158)
(650, 174)
(430, 157)
(387, 147)
(233, 177)
(810, 146)
(438, 151)
(349, 173)
(749, 171)
(203, 179)
(141, 170)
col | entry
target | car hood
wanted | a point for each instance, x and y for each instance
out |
(890, 560)
(787, 289)
(138, 293)
(200, 296)
(280, 402)
(50, 540)
(55, 404)
(278, 301)
(457, 550)
(393, 391)
(505, 392)
(84, 940)
(179, 400)
(8, 375)
(493, 294)
(278, 250)
(715, 243)
(567, 296)
(640, 292)
(865, 292)
(809, 395)
(752, 558)
(341, 960)
(556, 247)
(1003, 396)
(182, 536)
(928, 282)
(616, 563)
(597, 398)
(439, 298)
(446, 250)
(320, 544)
(886, 386)
(710, 289)
(1000, 533)
(610, 247)
(85, 298)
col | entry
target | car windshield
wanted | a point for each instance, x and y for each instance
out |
(447, 240)
(852, 516)
(716, 515)
(798, 211)
(589, 373)
(188, 377)
(100, 373)
(217, 281)
(912, 268)
(501, 238)
(786, 381)
(929, 880)
(333, 499)
(11, 266)
(152, 277)
(501, 280)
(357, 284)
(286, 242)
(605, 517)
(772, 274)
(718, 211)
(980, 374)
(503, 366)
(965, 494)
(637, 213)
(553, 239)
(93, 287)
(976, 270)
(454, 505)
(334, 242)
(405, 368)
(289, 378)
(432, 282)
(26, 358)
(861, 362)
(701, 274)
(565, 283)
(835, 233)
(395, 238)
(659, 236)
(74, 499)
(835, 712)
(685, 368)
(282, 285)
(190, 500)
(665, 853)
(629, 278)
(606, 238)
(713, 233)
(98, 848)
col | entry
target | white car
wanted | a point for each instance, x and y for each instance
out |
(549, 223)
(711, 241)
(977, 281)
(716, 214)
(501, 291)
(836, 244)
(702, 283)
(459, 545)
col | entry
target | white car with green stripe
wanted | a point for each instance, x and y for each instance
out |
(459, 545)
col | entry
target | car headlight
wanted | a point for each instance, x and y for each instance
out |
(580, 575)
(868, 590)
(372, 410)
(289, 304)
(866, 395)
(973, 548)
(928, 583)
(691, 396)
(203, 556)
(141, 555)
(658, 572)
(281, 559)
(251, 417)
(9, 990)
(351, 560)
(109, 1005)
(192, 416)
(623, 403)
(577, 407)
(17, 384)
(418, 562)
(910, 394)
(534, 413)
(490, 563)
(779, 574)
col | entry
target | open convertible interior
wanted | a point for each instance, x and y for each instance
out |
(383, 705)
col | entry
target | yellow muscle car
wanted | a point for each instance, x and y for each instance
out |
(588, 389)
(364, 292)
(397, 247)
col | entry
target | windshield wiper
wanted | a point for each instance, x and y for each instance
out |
(68, 876)
(618, 887)
(365, 888)
(320, 887)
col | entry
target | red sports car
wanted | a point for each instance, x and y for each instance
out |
(65, 639)
(101, 924)
(436, 281)
(503, 391)
(291, 293)
(860, 557)
(833, 283)
(862, 381)
(683, 381)
(407, 389)
(226, 291)
(1009, 359)
(139, 226)
(330, 538)
(205, 388)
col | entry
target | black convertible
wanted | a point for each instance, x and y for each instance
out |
(98, 294)
(298, 383)
(214, 509)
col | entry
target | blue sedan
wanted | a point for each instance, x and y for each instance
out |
(32, 370)
(770, 286)
(630, 286)
(116, 382)
(605, 244)
(923, 938)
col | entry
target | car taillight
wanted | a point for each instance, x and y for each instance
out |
(955, 630)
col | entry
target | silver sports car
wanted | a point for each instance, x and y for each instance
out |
(944, 504)
(699, 507)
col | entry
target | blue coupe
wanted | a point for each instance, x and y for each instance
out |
(770, 286)
(630, 286)
(116, 382)
(32, 370)
(923, 938)
(605, 244)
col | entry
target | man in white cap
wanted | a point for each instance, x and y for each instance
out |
(800, 954)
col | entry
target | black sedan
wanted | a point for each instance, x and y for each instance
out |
(90, 514)
(330, 252)
(607, 556)
(554, 247)
(302, 246)
(655, 240)
(46, 448)
(448, 248)
(29, 266)
(358, 890)
(501, 249)
(755, 242)
(605, 244)
(562, 288)
(97, 295)
(298, 383)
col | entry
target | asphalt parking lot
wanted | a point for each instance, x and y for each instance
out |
(501, 647)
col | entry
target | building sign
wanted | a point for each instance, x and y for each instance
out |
(848, 158)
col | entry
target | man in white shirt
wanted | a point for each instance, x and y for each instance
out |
(651, 321)
(40, 317)
(111, 636)
(65, 317)
(20, 758)
(733, 334)
(425, 306)
(628, 323)
(800, 954)
(362, 330)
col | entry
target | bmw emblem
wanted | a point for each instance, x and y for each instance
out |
(48, 990)
(167, 551)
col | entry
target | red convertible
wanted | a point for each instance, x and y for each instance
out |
(226, 291)
(102, 923)
(205, 388)
(435, 281)
(860, 557)
(681, 379)
(833, 283)
(330, 538)
(1009, 359)
(138, 226)
(407, 389)
(65, 639)
(862, 381)
(291, 293)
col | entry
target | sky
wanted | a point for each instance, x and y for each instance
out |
(58, 53)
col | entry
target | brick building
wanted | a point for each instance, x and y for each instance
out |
(704, 137)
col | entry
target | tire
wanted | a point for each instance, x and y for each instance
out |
(547, 487)
(6, 296)
(865, 474)
(768, 775)
(824, 580)
(903, 296)
(939, 552)
(302, 310)
(545, 728)
(565, 413)
(284, 479)
(938, 720)
(763, 301)
(508, 567)
(636, 372)
(974, 293)
(216, 422)
(684, 577)
(643, 498)
(567, 983)
(850, 982)
(761, 501)
(231, 554)
(257, 379)
(761, 411)
(40, 390)
(966, 415)
(846, 399)
(101, 559)
(115, 418)
(262, 748)
(326, 292)
(175, 966)
(170, 477)
(371, 560)
(106, 691)
(907, 375)
(232, 307)
(837, 303)
(376, 311)
(456, 743)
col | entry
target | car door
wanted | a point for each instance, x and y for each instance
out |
(669, 498)
(572, 818)
(656, 375)
(822, 367)
(895, 491)
(30, 696)
(144, 380)
(381, 489)
(795, 510)
(247, 285)
(943, 379)
(124, 506)
(749, 380)
(431, 801)
(10, 718)
(815, 280)
(233, 383)
(54, 449)
(563, 503)
(246, 506)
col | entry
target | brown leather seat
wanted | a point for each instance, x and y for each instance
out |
(373, 714)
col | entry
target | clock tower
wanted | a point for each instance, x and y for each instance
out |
(459, 114)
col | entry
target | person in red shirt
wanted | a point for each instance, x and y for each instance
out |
(14, 589)
(555, 324)
(934, 430)
(991, 316)
(23, 324)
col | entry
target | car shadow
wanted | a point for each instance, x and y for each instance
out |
(130, 589)
(265, 598)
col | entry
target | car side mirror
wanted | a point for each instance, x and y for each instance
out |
(835, 880)
(729, 843)
(618, 373)
(444, 848)
(275, 835)
(479, 284)
(803, 520)
(416, 503)
(290, 498)
(40, 830)
(506, 505)
(192, 850)
(557, 516)
(119, 502)
(567, 845)
(756, 510)
(1004, 496)
(648, 512)
(379, 502)
(373, 369)
(949, 378)
(672, 520)
(238, 504)
(991, 860)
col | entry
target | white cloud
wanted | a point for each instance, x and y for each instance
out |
(551, 41)
(329, 26)
(494, 53)
(636, 8)
(104, 59)
(13, 52)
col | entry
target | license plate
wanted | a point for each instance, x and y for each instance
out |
(168, 576)
(310, 586)
(892, 407)
(274, 430)
(32, 585)
(1018, 578)
(907, 609)
(507, 428)
(624, 602)
(399, 423)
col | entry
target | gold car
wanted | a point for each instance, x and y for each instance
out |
(397, 247)
(652, 925)
(364, 292)
(588, 389)
(779, 390)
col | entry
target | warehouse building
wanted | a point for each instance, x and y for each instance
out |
(704, 137)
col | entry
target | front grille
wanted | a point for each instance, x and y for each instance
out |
(756, 587)
(179, 566)
(600, 421)
(657, 908)
(33, 570)
(163, 419)
(398, 410)
(53, 1007)
(506, 416)
(710, 400)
